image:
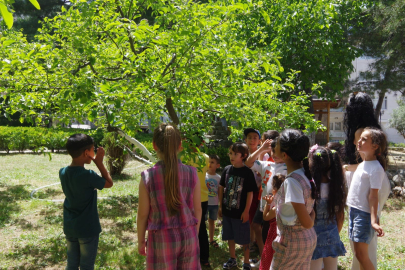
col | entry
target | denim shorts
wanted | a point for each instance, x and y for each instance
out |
(360, 229)
(212, 212)
(234, 229)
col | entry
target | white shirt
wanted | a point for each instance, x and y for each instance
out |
(267, 170)
(368, 175)
(293, 193)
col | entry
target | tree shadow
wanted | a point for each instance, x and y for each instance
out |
(9, 196)
(394, 204)
(117, 206)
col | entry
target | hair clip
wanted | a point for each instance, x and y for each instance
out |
(305, 158)
(333, 151)
(313, 148)
(318, 154)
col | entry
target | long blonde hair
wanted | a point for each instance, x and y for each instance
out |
(167, 138)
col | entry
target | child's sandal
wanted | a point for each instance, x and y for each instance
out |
(214, 244)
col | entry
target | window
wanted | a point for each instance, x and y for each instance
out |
(331, 126)
(338, 126)
(384, 105)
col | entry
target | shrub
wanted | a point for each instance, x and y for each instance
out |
(117, 157)
(222, 152)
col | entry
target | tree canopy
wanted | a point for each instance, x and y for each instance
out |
(397, 120)
(105, 62)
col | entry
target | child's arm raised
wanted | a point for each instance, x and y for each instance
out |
(269, 213)
(197, 203)
(142, 218)
(265, 147)
(373, 201)
(98, 160)
(306, 220)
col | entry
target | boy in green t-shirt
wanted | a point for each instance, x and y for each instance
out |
(81, 223)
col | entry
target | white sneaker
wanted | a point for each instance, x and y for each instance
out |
(255, 264)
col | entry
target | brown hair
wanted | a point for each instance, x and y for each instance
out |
(271, 134)
(240, 148)
(278, 180)
(378, 137)
(216, 157)
(167, 139)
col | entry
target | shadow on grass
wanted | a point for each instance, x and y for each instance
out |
(122, 177)
(117, 206)
(49, 193)
(394, 204)
(43, 252)
(9, 196)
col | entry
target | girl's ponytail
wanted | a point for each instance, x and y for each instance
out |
(167, 139)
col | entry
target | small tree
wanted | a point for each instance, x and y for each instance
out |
(397, 120)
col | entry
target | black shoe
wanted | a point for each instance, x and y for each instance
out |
(231, 263)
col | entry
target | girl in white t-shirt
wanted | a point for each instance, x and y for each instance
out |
(296, 237)
(363, 193)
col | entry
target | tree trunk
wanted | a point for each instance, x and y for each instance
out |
(381, 96)
(172, 111)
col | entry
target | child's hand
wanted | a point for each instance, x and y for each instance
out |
(269, 198)
(378, 229)
(245, 216)
(142, 248)
(100, 155)
(266, 146)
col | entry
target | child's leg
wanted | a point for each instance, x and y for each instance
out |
(88, 252)
(73, 253)
(257, 228)
(330, 263)
(361, 253)
(211, 227)
(246, 253)
(231, 244)
(317, 264)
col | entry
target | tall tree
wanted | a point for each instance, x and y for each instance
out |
(103, 61)
(6, 11)
(381, 37)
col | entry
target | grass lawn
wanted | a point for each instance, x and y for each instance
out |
(32, 236)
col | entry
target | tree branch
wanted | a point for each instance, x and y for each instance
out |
(172, 111)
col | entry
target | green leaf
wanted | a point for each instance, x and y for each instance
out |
(7, 15)
(265, 16)
(35, 3)
(8, 42)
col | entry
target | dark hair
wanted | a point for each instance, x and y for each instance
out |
(167, 139)
(324, 162)
(216, 157)
(338, 147)
(274, 143)
(270, 134)
(359, 114)
(295, 144)
(378, 137)
(78, 143)
(240, 148)
(278, 180)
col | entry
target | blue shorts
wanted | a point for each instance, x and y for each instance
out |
(212, 212)
(234, 229)
(360, 229)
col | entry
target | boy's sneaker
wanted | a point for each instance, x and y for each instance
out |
(230, 264)
(246, 266)
(255, 263)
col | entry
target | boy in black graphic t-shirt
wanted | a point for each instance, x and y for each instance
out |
(235, 197)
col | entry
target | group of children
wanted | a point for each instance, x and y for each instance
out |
(286, 196)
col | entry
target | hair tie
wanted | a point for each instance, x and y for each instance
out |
(333, 151)
(305, 158)
(313, 148)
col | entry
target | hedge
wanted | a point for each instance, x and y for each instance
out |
(33, 138)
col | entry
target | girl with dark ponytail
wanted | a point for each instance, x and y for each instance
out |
(296, 237)
(326, 170)
(169, 207)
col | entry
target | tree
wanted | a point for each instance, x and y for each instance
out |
(381, 37)
(104, 62)
(397, 120)
(309, 36)
(7, 12)
(28, 18)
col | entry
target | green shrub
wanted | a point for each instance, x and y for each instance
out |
(222, 152)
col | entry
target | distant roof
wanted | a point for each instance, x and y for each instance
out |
(321, 104)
